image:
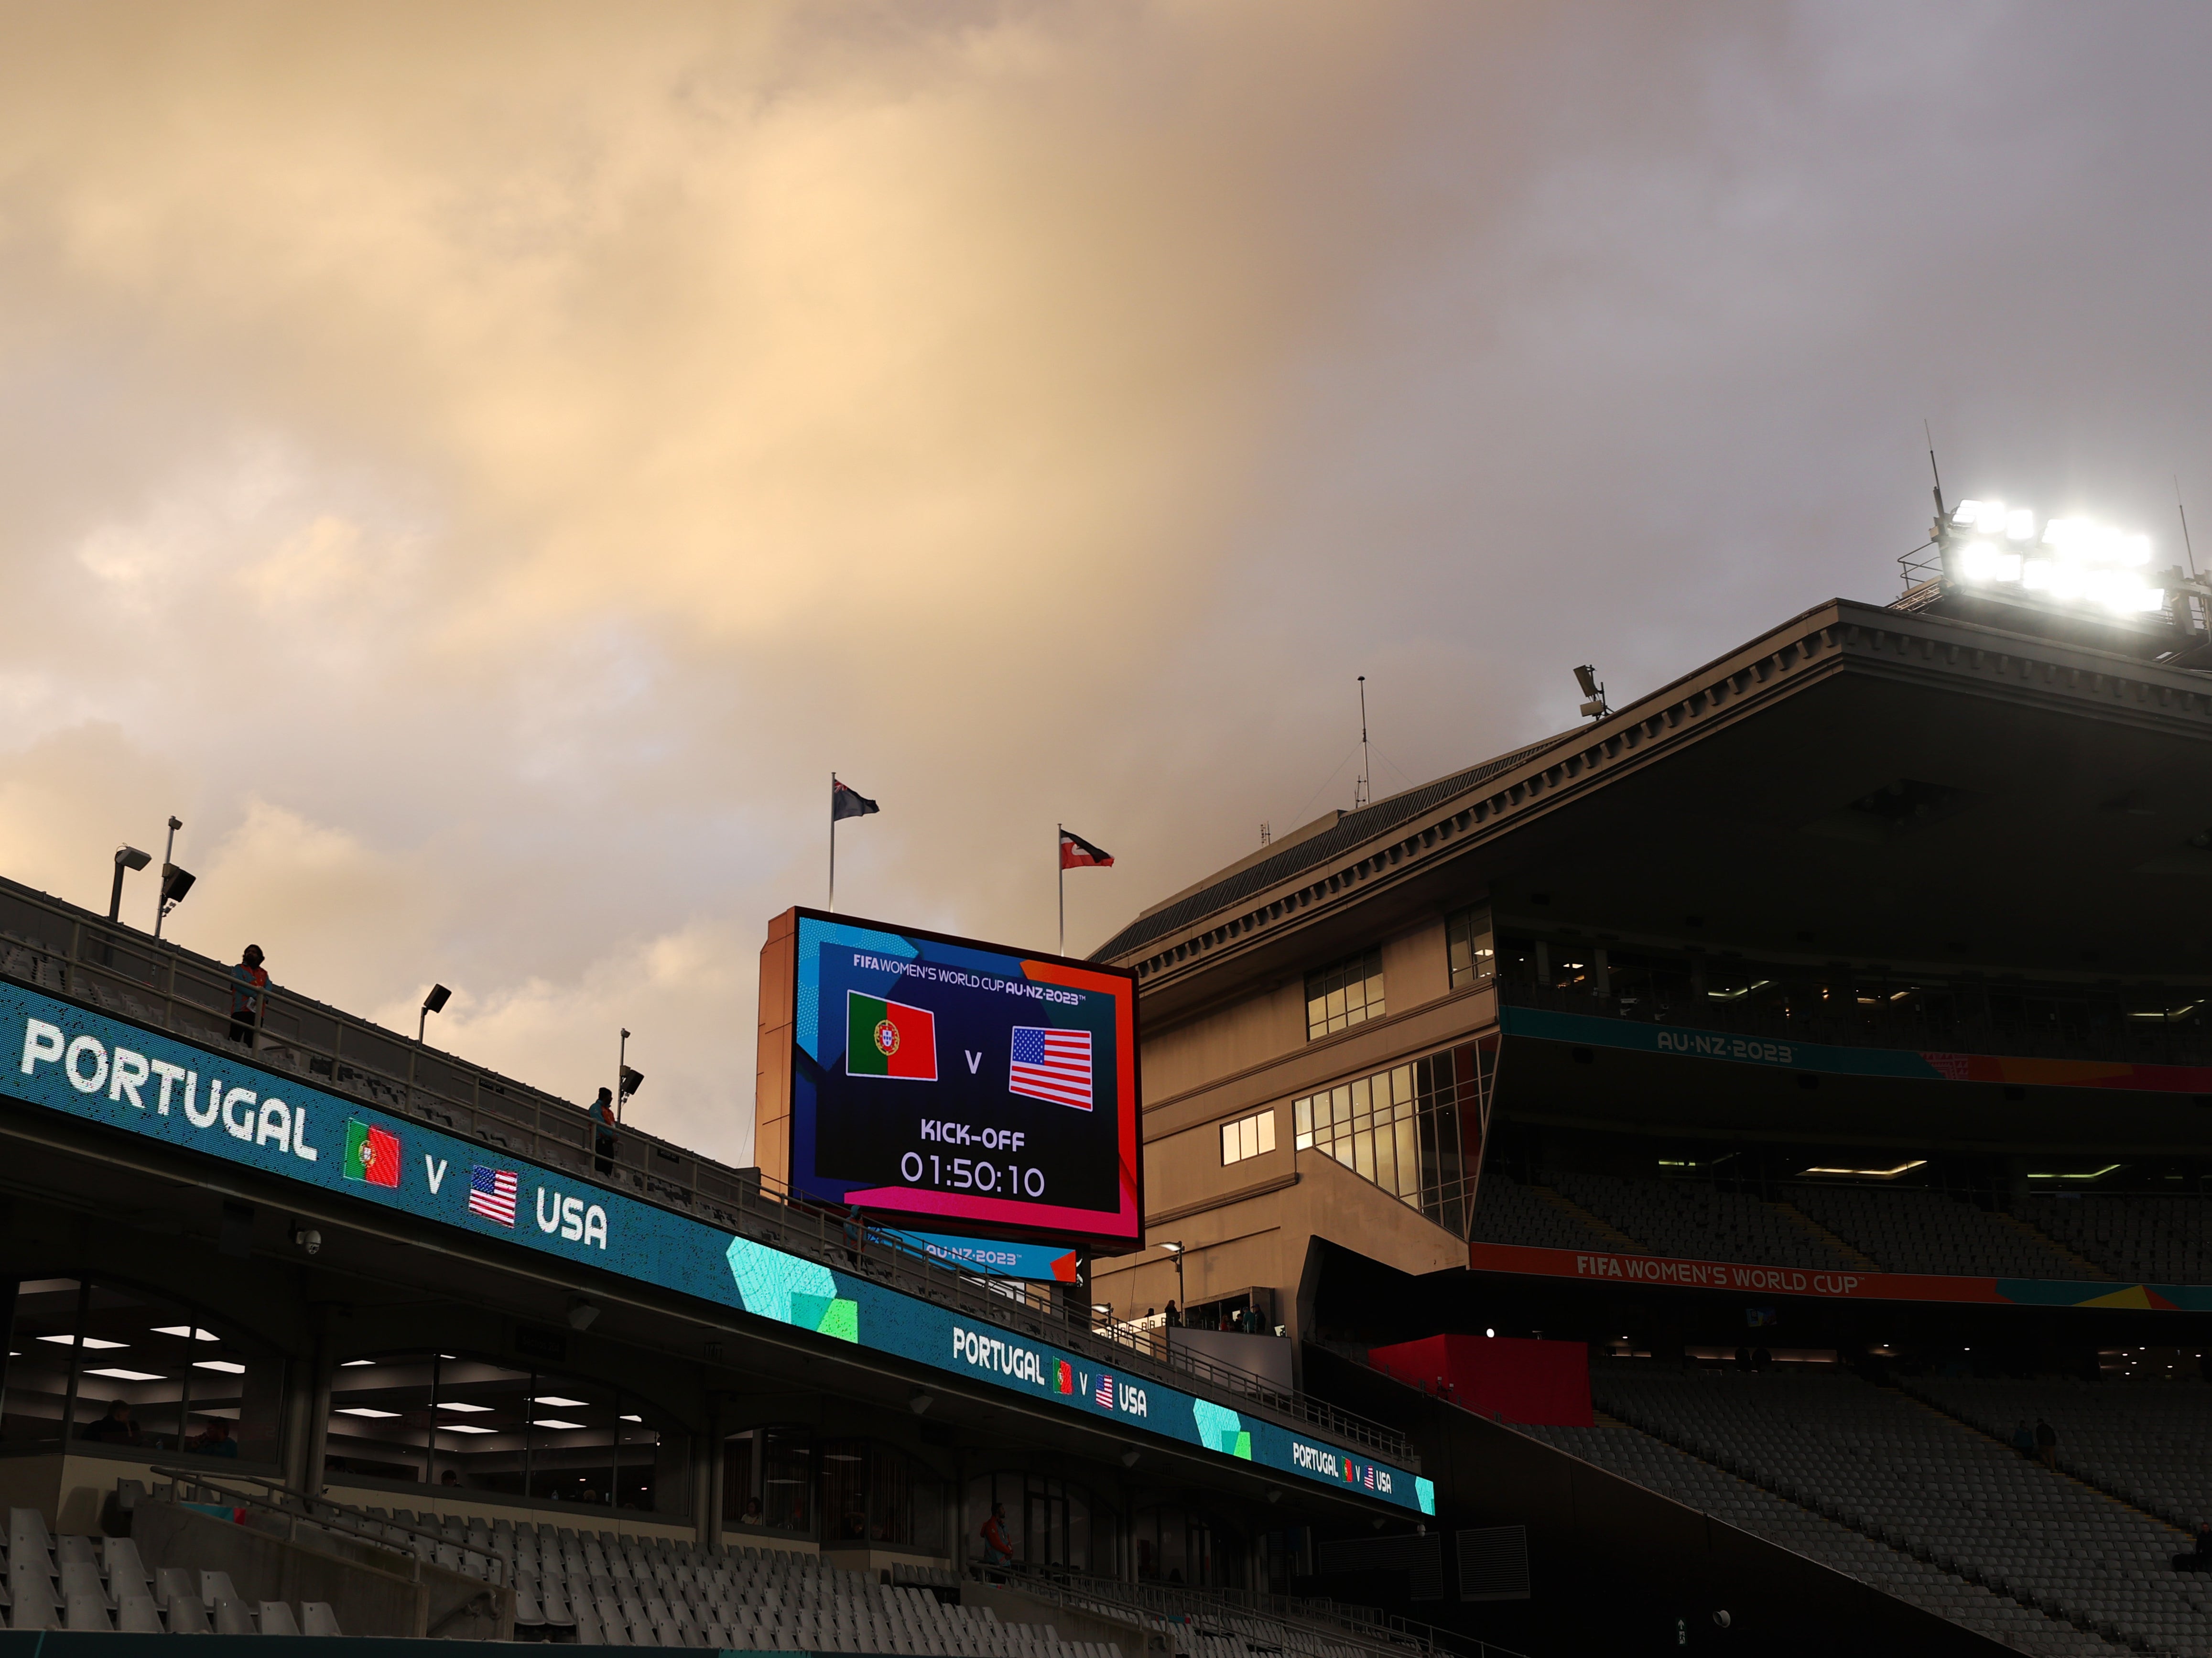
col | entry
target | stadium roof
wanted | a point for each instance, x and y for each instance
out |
(1857, 781)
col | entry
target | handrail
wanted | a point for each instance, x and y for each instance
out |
(293, 1506)
(1381, 1633)
(61, 951)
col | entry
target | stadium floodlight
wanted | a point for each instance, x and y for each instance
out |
(1593, 705)
(1175, 1249)
(2076, 561)
(2020, 526)
(433, 1003)
(127, 856)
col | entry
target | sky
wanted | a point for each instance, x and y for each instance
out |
(483, 468)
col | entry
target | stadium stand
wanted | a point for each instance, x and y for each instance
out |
(1912, 1229)
(1661, 1468)
(1509, 1212)
(1899, 1471)
(2142, 1239)
(1694, 1218)
(2147, 1444)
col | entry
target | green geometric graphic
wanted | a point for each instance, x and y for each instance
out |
(1220, 1430)
(791, 1292)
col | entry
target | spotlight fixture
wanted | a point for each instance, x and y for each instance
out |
(1594, 704)
(126, 858)
(919, 1403)
(175, 882)
(433, 1003)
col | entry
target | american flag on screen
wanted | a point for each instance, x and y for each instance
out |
(1105, 1392)
(491, 1194)
(1052, 1065)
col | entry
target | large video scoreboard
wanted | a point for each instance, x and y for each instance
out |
(939, 1079)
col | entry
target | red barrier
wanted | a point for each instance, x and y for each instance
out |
(1546, 1383)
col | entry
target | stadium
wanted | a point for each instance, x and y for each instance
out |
(1728, 1176)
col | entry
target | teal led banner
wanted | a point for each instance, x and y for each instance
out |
(97, 1069)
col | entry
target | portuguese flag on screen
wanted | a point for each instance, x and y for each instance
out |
(889, 1039)
(372, 1154)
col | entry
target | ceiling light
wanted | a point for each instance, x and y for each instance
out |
(356, 1363)
(126, 1375)
(462, 1427)
(559, 1403)
(364, 1410)
(1874, 1174)
(633, 1418)
(554, 1423)
(2098, 1173)
(181, 1331)
(227, 1366)
(462, 1405)
(91, 1343)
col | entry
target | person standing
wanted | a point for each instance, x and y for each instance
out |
(2046, 1443)
(249, 981)
(603, 1132)
(997, 1550)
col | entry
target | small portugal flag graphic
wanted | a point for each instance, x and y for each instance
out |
(372, 1154)
(889, 1039)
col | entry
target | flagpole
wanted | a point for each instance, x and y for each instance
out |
(833, 843)
(1059, 862)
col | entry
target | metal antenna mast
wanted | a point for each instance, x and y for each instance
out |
(2188, 545)
(1366, 792)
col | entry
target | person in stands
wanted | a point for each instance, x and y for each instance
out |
(2200, 1557)
(213, 1440)
(247, 982)
(116, 1428)
(603, 1132)
(2023, 1439)
(997, 1551)
(1175, 1316)
(2046, 1443)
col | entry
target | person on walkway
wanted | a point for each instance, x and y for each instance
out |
(997, 1551)
(247, 982)
(2046, 1443)
(603, 1132)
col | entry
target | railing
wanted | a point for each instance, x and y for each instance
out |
(2153, 1043)
(1323, 1621)
(68, 952)
(281, 1510)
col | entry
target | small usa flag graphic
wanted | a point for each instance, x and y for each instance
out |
(491, 1194)
(1105, 1394)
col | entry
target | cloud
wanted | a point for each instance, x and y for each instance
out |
(483, 468)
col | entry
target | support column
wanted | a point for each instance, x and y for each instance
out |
(707, 1482)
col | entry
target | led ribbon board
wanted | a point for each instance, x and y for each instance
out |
(935, 1079)
(95, 1069)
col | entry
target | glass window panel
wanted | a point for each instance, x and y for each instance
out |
(1247, 1137)
(1229, 1142)
(788, 1479)
(1266, 1121)
(38, 1362)
(1303, 1114)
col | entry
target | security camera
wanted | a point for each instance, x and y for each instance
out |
(1722, 1618)
(307, 1238)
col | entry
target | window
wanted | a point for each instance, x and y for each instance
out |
(1411, 1130)
(1247, 1137)
(1468, 942)
(1050, 1522)
(1341, 996)
(444, 1419)
(100, 1364)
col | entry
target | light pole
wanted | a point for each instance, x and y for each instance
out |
(627, 1081)
(1176, 1249)
(126, 858)
(175, 882)
(433, 1003)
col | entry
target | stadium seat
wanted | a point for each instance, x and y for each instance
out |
(275, 1618)
(138, 1615)
(317, 1617)
(188, 1615)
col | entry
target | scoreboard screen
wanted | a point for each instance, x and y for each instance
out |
(941, 1079)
